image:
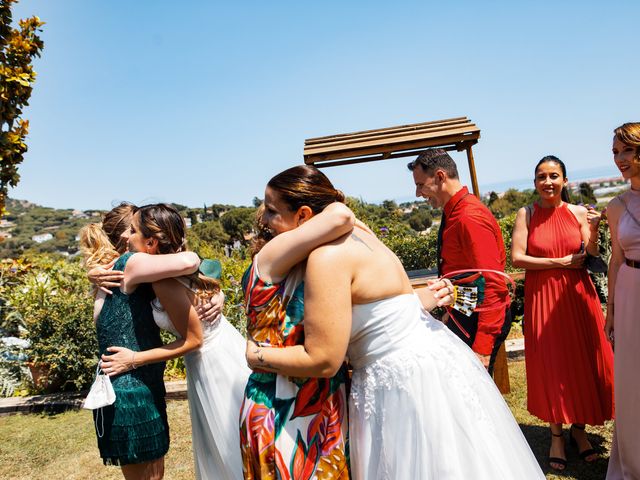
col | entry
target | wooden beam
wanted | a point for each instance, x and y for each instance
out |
(408, 127)
(374, 158)
(472, 172)
(373, 149)
(383, 140)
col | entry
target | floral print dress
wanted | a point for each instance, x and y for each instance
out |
(290, 428)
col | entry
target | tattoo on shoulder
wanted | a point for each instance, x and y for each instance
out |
(358, 239)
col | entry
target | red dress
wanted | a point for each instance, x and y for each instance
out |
(568, 360)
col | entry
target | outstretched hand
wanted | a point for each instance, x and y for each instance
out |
(121, 360)
(104, 278)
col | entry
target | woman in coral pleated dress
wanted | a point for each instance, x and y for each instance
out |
(569, 362)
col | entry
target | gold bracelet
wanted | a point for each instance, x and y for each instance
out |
(133, 361)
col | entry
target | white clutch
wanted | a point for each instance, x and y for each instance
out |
(101, 393)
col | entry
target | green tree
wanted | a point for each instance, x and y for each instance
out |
(18, 47)
(419, 219)
(585, 194)
(238, 222)
(210, 232)
(510, 202)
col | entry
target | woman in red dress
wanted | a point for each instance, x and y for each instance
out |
(569, 362)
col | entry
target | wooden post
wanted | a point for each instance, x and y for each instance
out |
(501, 371)
(472, 172)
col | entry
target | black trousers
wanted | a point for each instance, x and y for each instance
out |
(470, 325)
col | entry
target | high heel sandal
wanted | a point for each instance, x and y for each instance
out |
(574, 443)
(558, 460)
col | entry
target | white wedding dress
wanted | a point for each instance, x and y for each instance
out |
(216, 377)
(423, 406)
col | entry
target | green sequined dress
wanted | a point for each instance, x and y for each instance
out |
(135, 426)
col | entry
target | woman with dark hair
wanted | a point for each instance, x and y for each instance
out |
(213, 351)
(292, 426)
(422, 405)
(569, 362)
(623, 305)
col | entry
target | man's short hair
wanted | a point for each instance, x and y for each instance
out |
(435, 159)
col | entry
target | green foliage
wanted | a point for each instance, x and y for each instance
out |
(419, 219)
(53, 299)
(414, 251)
(510, 202)
(585, 194)
(210, 232)
(506, 227)
(232, 270)
(601, 280)
(386, 219)
(18, 47)
(238, 222)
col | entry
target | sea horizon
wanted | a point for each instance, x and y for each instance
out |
(577, 175)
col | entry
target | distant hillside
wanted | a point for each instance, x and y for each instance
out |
(30, 227)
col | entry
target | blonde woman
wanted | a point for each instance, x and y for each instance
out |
(624, 303)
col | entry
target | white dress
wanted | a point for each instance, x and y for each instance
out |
(216, 376)
(423, 406)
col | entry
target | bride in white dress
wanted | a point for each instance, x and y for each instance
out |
(216, 377)
(422, 406)
(213, 351)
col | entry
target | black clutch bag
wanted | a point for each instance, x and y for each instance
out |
(595, 264)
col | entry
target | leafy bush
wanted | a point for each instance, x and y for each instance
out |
(414, 251)
(53, 299)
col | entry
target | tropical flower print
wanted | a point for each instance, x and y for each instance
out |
(290, 428)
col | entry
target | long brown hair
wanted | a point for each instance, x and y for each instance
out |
(629, 134)
(164, 223)
(305, 185)
(115, 222)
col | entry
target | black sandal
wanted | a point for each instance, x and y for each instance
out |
(558, 460)
(573, 442)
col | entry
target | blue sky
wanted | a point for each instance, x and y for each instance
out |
(202, 102)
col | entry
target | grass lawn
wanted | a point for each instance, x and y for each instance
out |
(63, 446)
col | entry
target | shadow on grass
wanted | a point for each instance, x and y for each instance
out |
(539, 439)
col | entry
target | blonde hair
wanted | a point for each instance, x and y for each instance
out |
(629, 134)
(95, 246)
(100, 243)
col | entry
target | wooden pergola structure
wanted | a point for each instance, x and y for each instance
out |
(405, 141)
(402, 141)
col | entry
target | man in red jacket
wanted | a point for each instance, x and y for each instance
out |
(469, 238)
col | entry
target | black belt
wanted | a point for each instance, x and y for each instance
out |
(632, 263)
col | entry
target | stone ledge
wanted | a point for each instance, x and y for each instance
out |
(515, 349)
(60, 402)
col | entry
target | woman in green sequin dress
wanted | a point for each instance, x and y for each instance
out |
(134, 430)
